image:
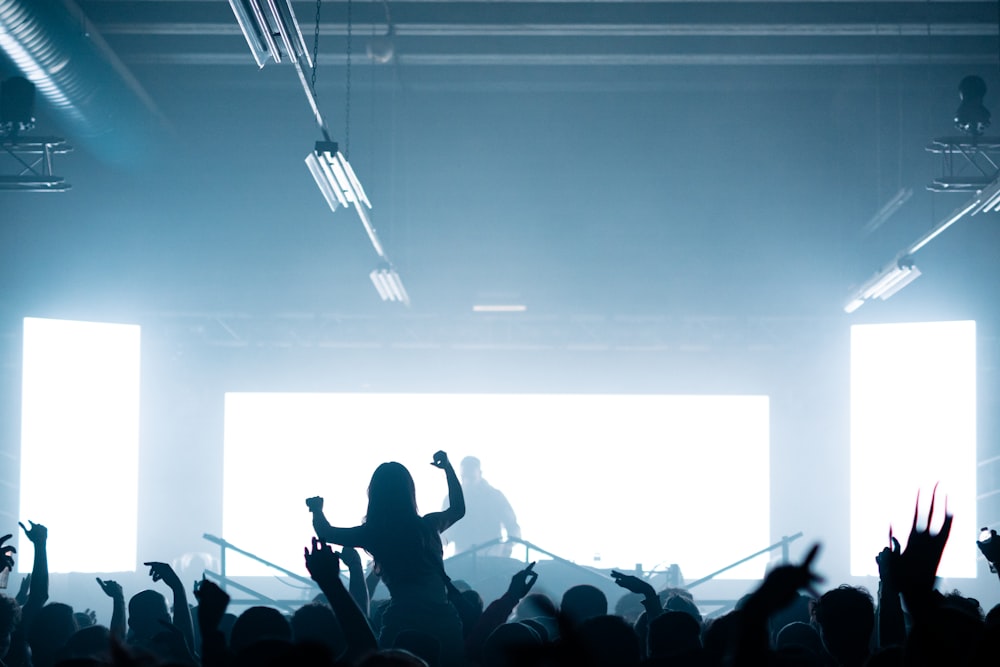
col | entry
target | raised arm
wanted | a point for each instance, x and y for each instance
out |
(114, 591)
(38, 594)
(324, 568)
(456, 498)
(345, 537)
(890, 625)
(358, 586)
(182, 614)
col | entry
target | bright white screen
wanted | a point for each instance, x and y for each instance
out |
(633, 479)
(80, 443)
(913, 425)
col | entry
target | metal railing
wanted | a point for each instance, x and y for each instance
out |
(256, 597)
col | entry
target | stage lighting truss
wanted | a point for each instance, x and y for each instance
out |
(389, 285)
(271, 30)
(894, 277)
(340, 186)
(30, 159)
(970, 165)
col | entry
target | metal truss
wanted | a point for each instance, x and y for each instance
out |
(968, 164)
(476, 331)
(30, 160)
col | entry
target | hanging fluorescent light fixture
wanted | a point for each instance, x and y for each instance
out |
(885, 283)
(389, 285)
(340, 186)
(271, 30)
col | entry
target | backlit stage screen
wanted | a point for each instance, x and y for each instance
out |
(80, 443)
(601, 480)
(913, 426)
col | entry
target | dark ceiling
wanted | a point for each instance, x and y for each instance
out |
(636, 158)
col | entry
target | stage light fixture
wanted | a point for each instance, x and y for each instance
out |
(389, 285)
(972, 117)
(17, 106)
(340, 186)
(271, 30)
(885, 283)
(499, 308)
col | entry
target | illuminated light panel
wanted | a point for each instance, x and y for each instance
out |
(588, 475)
(80, 443)
(913, 424)
(499, 308)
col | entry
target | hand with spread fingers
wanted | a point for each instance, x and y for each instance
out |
(633, 584)
(111, 588)
(37, 534)
(521, 582)
(162, 571)
(914, 570)
(322, 562)
(783, 583)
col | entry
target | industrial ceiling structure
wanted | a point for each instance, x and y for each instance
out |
(567, 157)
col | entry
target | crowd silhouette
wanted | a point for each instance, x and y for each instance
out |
(431, 621)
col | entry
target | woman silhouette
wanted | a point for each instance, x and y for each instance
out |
(406, 548)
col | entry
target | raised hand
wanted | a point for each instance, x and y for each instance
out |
(212, 604)
(38, 533)
(441, 460)
(633, 584)
(158, 571)
(916, 567)
(111, 588)
(887, 559)
(315, 504)
(990, 548)
(7, 552)
(783, 583)
(522, 581)
(323, 564)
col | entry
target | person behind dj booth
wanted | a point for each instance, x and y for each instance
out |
(488, 516)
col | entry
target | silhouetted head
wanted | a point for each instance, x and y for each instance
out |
(49, 632)
(535, 605)
(147, 612)
(508, 644)
(316, 622)
(720, 635)
(799, 635)
(629, 607)
(582, 602)
(92, 642)
(391, 494)
(798, 611)
(10, 616)
(955, 600)
(472, 473)
(673, 633)
(256, 624)
(610, 642)
(846, 619)
(683, 603)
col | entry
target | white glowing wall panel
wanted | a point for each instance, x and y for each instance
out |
(80, 443)
(631, 479)
(913, 425)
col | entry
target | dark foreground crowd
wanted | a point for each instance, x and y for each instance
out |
(431, 621)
